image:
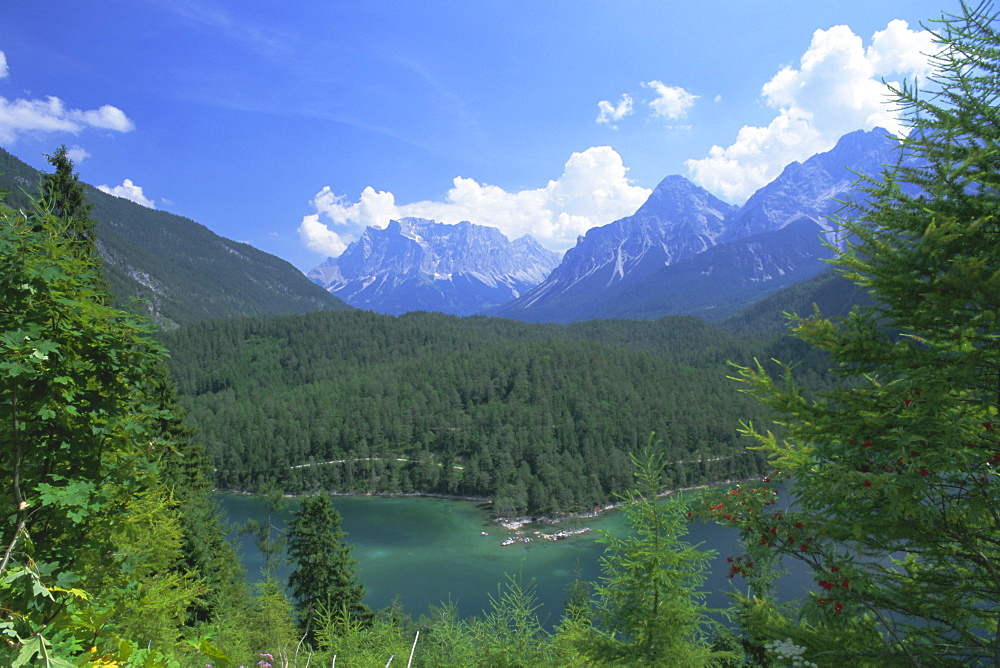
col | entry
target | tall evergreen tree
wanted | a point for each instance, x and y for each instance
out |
(323, 576)
(62, 193)
(895, 472)
(112, 527)
(649, 610)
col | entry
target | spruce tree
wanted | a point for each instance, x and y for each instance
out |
(111, 537)
(323, 579)
(62, 193)
(648, 608)
(88, 535)
(894, 473)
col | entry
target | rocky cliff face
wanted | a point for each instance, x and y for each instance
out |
(684, 250)
(814, 189)
(678, 221)
(417, 264)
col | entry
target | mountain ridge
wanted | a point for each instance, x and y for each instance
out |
(179, 271)
(419, 264)
(764, 237)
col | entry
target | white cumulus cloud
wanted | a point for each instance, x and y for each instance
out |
(320, 238)
(672, 102)
(77, 154)
(837, 88)
(21, 116)
(592, 190)
(130, 191)
(610, 114)
(51, 115)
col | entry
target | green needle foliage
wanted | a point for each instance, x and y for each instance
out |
(648, 608)
(895, 473)
(62, 193)
(323, 576)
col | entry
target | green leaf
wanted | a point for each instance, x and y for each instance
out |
(211, 651)
(37, 646)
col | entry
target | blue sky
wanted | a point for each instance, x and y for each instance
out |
(292, 125)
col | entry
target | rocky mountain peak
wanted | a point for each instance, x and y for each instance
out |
(420, 264)
(684, 247)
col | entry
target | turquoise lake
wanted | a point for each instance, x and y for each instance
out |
(426, 551)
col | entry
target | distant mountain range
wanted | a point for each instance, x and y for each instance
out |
(420, 265)
(685, 252)
(179, 270)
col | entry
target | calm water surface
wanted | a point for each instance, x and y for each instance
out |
(426, 551)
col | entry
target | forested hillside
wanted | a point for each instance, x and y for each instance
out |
(180, 271)
(539, 418)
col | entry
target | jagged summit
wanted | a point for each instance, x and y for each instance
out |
(814, 189)
(685, 251)
(419, 264)
(679, 220)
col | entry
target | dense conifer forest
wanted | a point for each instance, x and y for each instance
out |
(537, 418)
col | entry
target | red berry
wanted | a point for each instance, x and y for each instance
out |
(924, 472)
(826, 585)
(868, 483)
(988, 426)
(838, 606)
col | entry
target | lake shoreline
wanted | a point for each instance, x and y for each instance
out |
(516, 524)
(513, 524)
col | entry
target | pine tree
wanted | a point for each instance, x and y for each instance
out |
(110, 531)
(62, 194)
(649, 610)
(895, 472)
(323, 575)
